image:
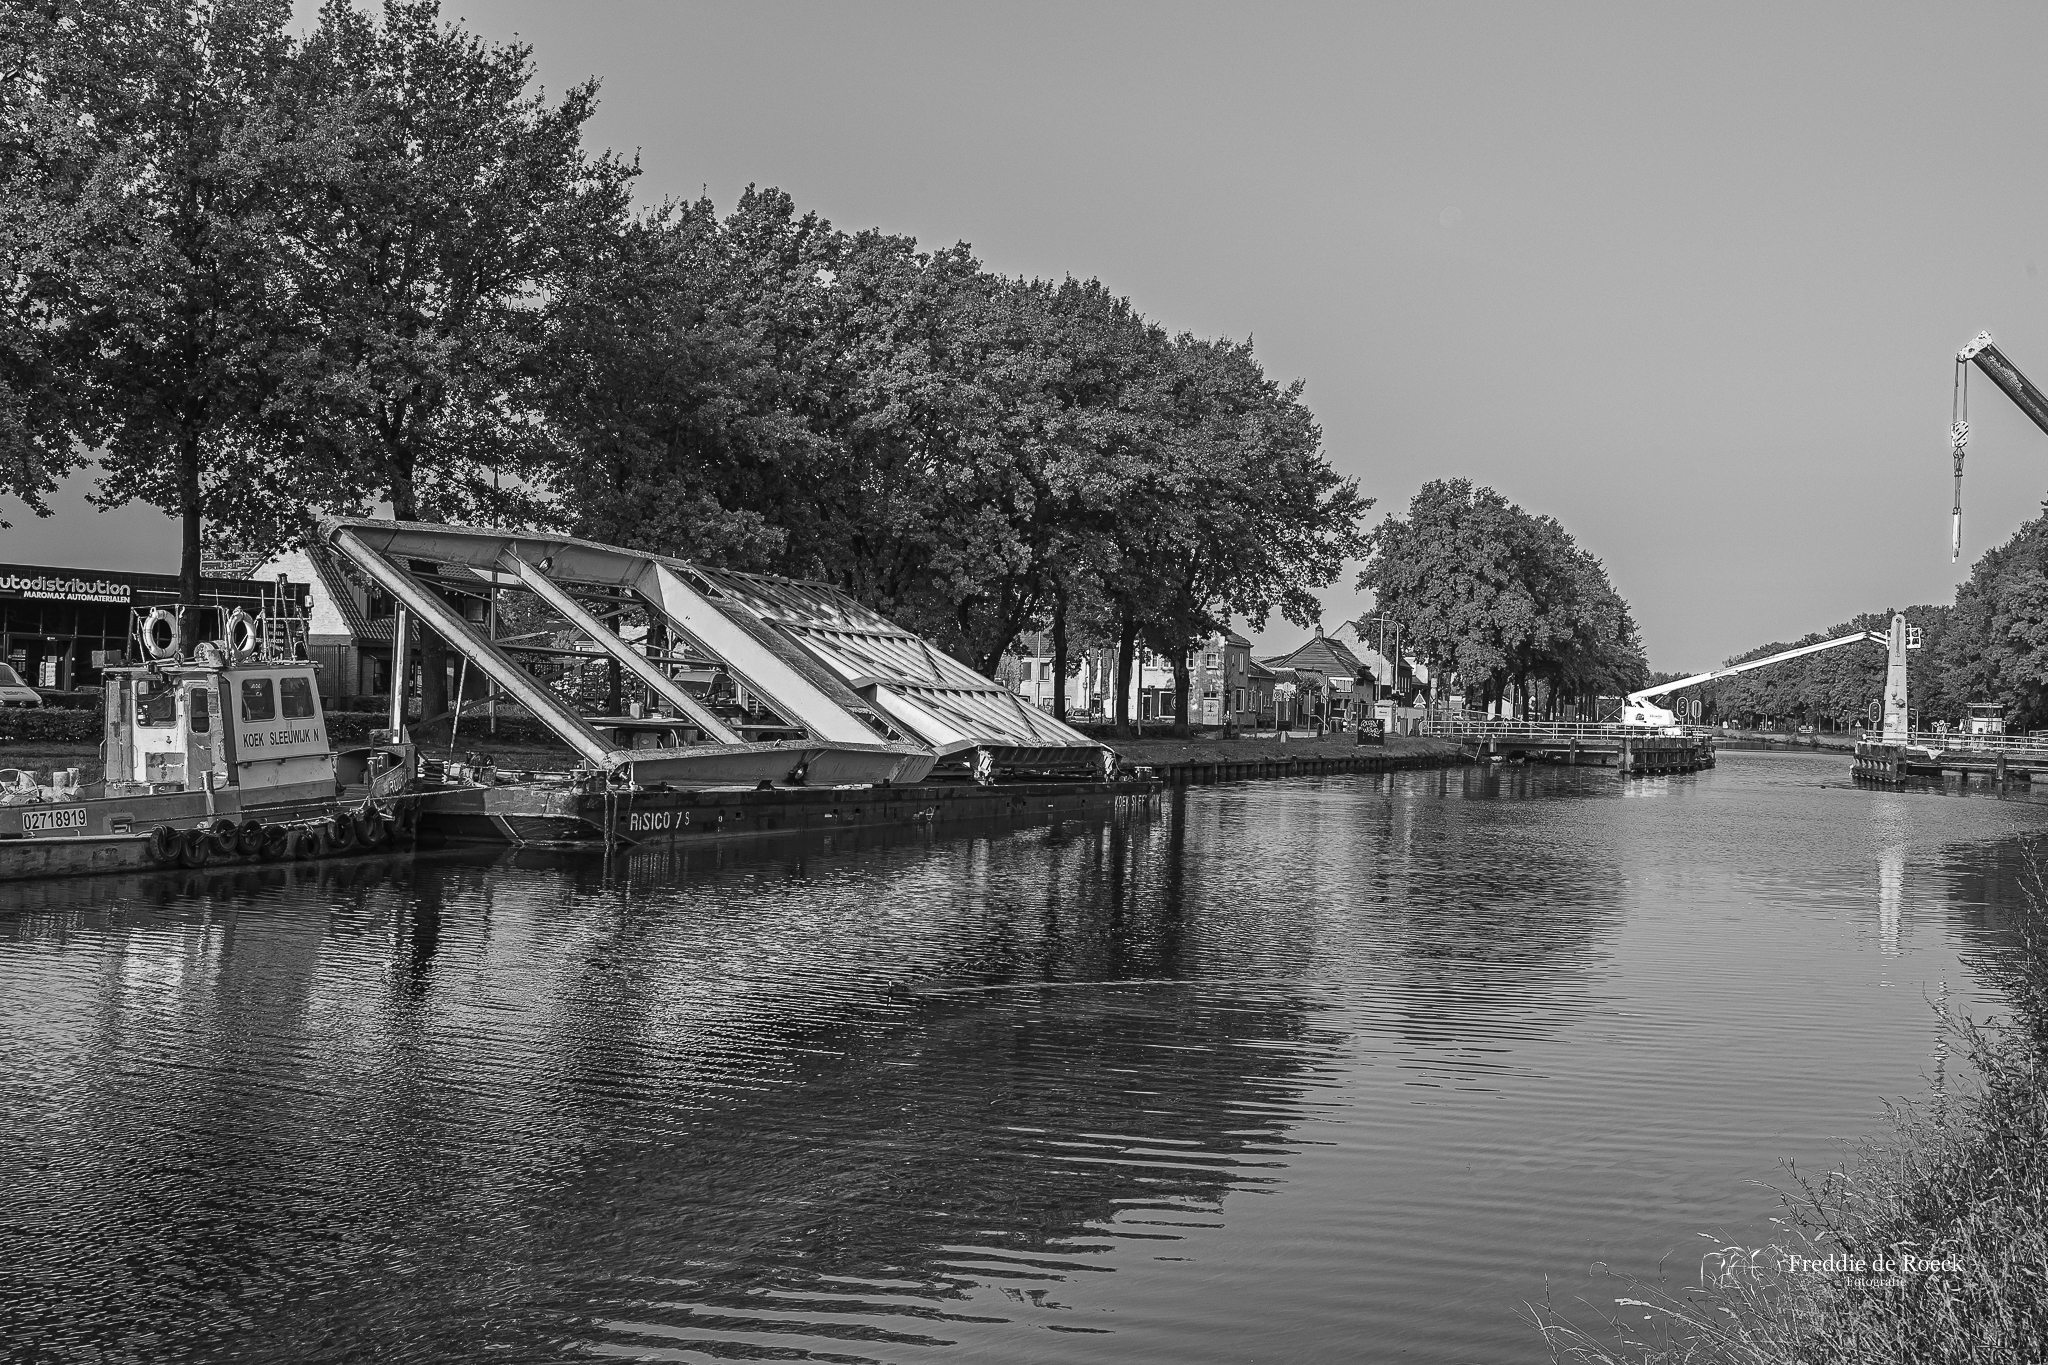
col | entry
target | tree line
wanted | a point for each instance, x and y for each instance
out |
(1504, 599)
(253, 275)
(1989, 645)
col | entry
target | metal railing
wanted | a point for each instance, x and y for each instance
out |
(1955, 741)
(1486, 727)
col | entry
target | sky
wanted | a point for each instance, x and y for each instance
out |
(1689, 279)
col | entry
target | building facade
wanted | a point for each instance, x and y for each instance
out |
(61, 628)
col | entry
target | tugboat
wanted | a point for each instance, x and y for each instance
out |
(222, 757)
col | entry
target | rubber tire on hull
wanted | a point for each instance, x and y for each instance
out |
(249, 838)
(276, 845)
(371, 831)
(338, 833)
(162, 847)
(195, 848)
(303, 844)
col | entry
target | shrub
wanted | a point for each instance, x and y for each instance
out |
(49, 725)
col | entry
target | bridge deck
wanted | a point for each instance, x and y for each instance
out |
(1998, 760)
(1632, 752)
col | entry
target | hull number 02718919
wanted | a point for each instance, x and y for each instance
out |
(62, 820)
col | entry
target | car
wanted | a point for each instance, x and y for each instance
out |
(15, 692)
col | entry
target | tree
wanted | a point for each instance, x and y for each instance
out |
(1445, 576)
(162, 180)
(1478, 585)
(1996, 647)
(437, 202)
(1256, 519)
(45, 157)
(971, 455)
(680, 424)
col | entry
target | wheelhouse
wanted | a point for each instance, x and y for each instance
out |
(232, 715)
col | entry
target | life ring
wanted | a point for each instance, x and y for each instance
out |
(244, 635)
(163, 845)
(161, 633)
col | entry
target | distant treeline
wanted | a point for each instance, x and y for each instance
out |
(1991, 645)
(1503, 599)
(260, 275)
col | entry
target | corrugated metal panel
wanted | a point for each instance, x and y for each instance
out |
(863, 645)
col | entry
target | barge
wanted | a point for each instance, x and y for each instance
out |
(757, 703)
(528, 815)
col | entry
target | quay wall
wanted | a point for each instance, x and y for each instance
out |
(1201, 762)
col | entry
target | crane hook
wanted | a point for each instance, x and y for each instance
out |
(1959, 436)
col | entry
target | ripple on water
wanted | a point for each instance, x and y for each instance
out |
(1284, 1071)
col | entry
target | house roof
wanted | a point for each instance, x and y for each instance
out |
(1322, 654)
(1259, 670)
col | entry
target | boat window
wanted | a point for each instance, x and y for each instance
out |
(158, 708)
(297, 696)
(258, 702)
(202, 710)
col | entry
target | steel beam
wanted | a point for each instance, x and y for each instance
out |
(432, 611)
(548, 591)
(794, 695)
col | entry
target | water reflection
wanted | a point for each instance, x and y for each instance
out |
(1891, 892)
(1275, 1069)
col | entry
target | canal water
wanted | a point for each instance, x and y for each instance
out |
(1329, 1071)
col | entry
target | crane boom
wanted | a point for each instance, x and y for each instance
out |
(1638, 698)
(2002, 372)
(1986, 356)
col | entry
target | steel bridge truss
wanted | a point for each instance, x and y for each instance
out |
(868, 700)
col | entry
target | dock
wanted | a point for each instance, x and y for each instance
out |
(1208, 772)
(1991, 761)
(1630, 752)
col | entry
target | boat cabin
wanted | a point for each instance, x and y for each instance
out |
(207, 724)
(1984, 718)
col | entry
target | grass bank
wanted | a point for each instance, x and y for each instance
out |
(1930, 1245)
